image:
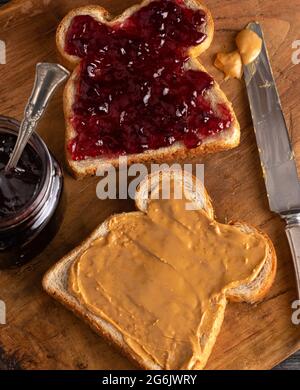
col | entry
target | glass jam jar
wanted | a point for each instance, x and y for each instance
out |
(30, 214)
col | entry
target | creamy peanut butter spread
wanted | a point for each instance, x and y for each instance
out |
(249, 45)
(230, 64)
(155, 277)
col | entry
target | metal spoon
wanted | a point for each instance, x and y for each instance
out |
(47, 78)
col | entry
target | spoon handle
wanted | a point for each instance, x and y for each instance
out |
(48, 77)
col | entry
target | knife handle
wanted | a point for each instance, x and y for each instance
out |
(293, 235)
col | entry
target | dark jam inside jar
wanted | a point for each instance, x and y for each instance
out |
(31, 207)
(19, 186)
(137, 89)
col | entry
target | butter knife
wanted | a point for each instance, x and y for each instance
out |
(274, 145)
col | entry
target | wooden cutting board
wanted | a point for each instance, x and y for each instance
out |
(40, 333)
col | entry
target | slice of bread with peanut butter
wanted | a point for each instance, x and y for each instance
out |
(156, 282)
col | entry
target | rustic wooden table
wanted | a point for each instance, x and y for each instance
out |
(293, 363)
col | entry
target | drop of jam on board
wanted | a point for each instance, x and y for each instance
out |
(135, 91)
(18, 187)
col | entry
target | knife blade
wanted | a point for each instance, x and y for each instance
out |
(276, 154)
(274, 145)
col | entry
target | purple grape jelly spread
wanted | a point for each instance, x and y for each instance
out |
(18, 187)
(134, 91)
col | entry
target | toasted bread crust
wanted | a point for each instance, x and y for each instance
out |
(264, 287)
(251, 292)
(228, 139)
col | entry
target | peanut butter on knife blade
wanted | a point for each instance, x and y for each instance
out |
(249, 46)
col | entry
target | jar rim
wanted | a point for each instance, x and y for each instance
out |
(10, 125)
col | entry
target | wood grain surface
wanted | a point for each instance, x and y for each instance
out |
(40, 333)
